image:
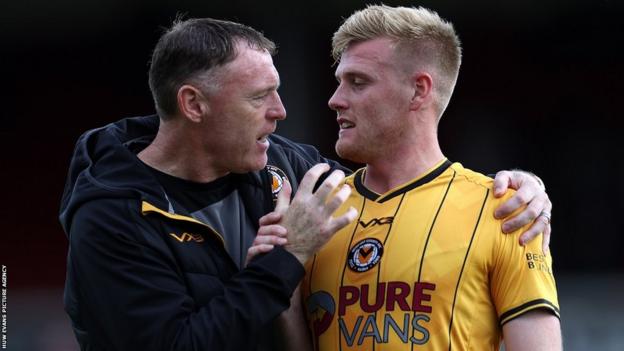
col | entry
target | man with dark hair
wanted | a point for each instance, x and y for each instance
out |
(160, 211)
(182, 56)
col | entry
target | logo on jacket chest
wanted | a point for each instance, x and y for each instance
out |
(278, 177)
(186, 237)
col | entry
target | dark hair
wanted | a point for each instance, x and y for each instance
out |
(192, 47)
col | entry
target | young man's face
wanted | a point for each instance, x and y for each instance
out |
(243, 111)
(372, 101)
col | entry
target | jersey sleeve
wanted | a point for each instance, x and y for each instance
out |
(522, 277)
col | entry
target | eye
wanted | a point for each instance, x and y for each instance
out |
(261, 96)
(358, 82)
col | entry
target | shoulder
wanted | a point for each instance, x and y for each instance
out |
(106, 208)
(470, 176)
(106, 219)
(476, 179)
(286, 146)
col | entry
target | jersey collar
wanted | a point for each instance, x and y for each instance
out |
(371, 195)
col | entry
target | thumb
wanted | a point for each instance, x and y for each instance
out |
(283, 198)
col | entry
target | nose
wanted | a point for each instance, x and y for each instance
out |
(276, 110)
(337, 102)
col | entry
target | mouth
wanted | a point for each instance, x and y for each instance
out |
(345, 124)
(263, 138)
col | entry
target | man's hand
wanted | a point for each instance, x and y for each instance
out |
(270, 232)
(308, 219)
(529, 192)
(306, 224)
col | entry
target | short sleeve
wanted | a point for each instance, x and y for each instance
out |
(522, 278)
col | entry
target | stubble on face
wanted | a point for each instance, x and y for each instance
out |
(238, 114)
(378, 108)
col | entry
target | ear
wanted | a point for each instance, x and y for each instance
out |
(422, 85)
(192, 103)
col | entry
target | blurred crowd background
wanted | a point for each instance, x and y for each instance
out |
(540, 89)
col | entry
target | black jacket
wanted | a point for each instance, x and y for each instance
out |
(142, 278)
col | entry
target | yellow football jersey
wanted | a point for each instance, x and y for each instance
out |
(424, 267)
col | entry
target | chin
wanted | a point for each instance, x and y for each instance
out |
(257, 164)
(348, 152)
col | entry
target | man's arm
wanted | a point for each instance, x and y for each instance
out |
(523, 289)
(302, 226)
(536, 330)
(530, 192)
(294, 333)
(134, 296)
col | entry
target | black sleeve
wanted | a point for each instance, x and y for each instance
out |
(132, 295)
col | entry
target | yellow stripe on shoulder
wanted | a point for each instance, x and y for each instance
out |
(146, 207)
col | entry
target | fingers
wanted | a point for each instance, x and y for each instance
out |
(528, 215)
(546, 240)
(270, 240)
(527, 186)
(268, 237)
(257, 250)
(270, 218)
(519, 199)
(533, 231)
(540, 225)
(501, 183)
(271, 230)
(341, 196)
(328, 186)
(311, 177)
(283, 199)
(338, 223)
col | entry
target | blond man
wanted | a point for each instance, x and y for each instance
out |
(425, 265)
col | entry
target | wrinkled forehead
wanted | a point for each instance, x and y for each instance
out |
(250, 64)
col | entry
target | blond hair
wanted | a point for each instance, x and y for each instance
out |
(422, 37)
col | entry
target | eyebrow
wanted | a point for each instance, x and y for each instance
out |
(266, 90)
(354, 73)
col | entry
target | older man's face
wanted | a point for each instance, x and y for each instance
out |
(244, 110)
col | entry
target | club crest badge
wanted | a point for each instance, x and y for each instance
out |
(278, 177)
(365, 255)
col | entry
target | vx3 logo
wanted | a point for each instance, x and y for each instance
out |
(377, 221)
(186, 237)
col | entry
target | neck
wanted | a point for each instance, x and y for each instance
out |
(408, 161)
(175, 151)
